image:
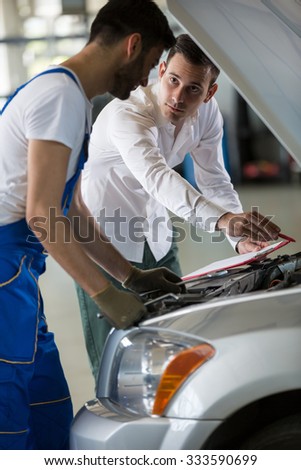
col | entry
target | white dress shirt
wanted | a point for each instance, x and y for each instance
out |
(129, 183)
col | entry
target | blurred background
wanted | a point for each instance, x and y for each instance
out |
(37, 33)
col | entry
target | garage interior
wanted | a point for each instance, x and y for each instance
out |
(35, 33)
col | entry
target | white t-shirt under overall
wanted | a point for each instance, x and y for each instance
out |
(50, 107)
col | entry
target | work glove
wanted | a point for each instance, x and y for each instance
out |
(122, 309)
(153, 279)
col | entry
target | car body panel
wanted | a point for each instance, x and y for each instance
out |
(103, 428)
(239, 374)
(246, 332)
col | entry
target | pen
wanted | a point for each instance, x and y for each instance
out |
(286, 237)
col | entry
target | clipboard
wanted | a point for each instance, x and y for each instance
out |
(235, 261)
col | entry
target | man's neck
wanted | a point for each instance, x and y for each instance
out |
(94, 68)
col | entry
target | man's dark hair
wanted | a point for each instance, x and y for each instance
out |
(193, 54)
(120, 18)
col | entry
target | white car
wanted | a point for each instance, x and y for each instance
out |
(219, 366)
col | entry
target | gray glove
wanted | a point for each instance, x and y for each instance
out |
(122, 309)
(152, 279)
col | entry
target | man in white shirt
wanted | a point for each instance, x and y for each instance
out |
(129, 183)
(43, 131)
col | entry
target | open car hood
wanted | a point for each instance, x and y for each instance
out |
(257, 44)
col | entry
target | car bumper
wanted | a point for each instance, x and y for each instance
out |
(102, 425)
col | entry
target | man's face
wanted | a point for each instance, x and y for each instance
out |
(183, 88)
(135, 73)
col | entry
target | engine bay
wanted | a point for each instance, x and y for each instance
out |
(267, 275)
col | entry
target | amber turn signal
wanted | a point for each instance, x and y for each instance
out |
(177, 371)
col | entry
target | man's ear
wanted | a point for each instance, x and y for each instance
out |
(162, 68)
(212, 90)
(133, 46)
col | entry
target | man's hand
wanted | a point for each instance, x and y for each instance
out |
(251, 225)
(245, 245)
(122, 309)
(152, 279)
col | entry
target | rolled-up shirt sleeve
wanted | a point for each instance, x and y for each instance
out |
(210, 173)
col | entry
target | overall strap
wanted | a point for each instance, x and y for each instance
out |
(54, 70)
(71, 183)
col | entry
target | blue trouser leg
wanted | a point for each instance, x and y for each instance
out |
(36, 409)
(49, 396)
(35, 404)
(96, 328)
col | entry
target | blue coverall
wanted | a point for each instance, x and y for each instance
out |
(35, 404)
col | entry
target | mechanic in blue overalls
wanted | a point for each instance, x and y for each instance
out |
(43, 133)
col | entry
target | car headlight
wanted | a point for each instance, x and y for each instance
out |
(150, 367)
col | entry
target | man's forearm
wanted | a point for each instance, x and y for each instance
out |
(58, 239)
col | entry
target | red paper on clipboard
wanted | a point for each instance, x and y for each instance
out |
(235, 261)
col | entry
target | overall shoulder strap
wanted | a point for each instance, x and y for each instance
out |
(45, 72)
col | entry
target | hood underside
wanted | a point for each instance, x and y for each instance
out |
(257, 44)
